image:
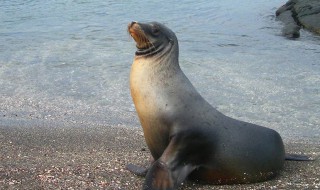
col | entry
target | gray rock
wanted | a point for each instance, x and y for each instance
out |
(307, 13)
(291, 29)
(285, 7)
(299, 12)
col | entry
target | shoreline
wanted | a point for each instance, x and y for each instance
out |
(80, 157)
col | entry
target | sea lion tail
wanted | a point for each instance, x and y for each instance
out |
(297, 157)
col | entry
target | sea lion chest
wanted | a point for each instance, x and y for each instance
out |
(148, 94)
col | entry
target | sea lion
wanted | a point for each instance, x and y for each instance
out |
(186, 136)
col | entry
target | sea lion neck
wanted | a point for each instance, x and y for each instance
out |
(164, 62)
(156, 49)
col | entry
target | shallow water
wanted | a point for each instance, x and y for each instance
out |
(69, 62)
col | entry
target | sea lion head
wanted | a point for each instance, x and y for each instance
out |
(152, 38)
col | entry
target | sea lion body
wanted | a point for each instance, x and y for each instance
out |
(185, 134)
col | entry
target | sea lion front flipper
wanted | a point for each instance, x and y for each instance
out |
(137, 170)
(170, 170)
(159, 177)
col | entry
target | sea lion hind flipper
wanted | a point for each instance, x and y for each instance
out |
(137, 170)
(298, 157)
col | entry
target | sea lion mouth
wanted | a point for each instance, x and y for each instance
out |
(139, 36)
(143, 44)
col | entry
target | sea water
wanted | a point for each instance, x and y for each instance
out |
(68, 62)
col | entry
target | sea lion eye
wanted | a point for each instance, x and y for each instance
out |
(155, 29)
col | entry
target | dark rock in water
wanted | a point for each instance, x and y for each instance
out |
(291, 29)
(296, 13)
(307, 13)
(286, 7)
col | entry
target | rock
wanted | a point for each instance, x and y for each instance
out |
(291, 29)
(285, 7)
(307, 13)
(296, 13)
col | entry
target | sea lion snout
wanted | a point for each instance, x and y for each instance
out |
(131, 28)
(132, 23)
(138, 34)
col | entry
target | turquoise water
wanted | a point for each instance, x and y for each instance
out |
(69, 62)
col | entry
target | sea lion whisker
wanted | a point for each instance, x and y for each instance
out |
(143, 40)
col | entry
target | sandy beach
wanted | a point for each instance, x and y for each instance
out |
(80, 157)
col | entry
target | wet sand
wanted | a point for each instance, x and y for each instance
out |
(79, 157)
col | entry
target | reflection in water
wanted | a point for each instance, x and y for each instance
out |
(69, 61)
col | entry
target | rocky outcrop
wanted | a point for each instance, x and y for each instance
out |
(297, 13)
